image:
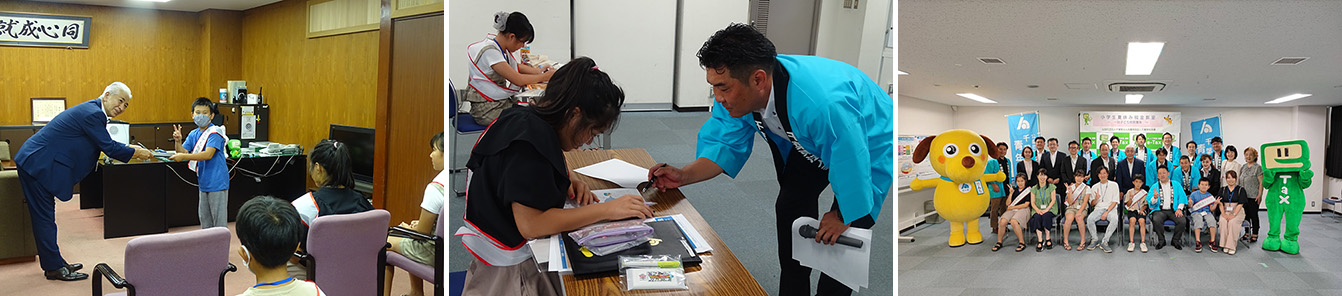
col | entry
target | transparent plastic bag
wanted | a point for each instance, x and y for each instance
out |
(609, 249)
(652, 272)
(611, 233)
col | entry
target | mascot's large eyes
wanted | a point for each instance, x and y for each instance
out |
(950, 150)
(974, 149)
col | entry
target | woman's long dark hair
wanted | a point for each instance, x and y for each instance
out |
(581, 84)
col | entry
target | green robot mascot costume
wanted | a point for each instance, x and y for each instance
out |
(1286, 174)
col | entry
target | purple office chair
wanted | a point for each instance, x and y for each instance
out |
(426, 272)
(345, 253)
(187, 263)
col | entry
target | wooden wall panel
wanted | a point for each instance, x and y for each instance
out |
(156, 53)
(415, 112)
(309, 83)
(221, 50)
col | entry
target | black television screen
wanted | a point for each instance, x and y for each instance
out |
(360, 142)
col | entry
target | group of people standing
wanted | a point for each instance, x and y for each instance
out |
(1082, 187)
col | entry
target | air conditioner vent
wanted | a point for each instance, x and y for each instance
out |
(992, 61)
(1136, 87)
(1290, 61)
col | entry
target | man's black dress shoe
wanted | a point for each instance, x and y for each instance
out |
(65, 274)
(75, 267)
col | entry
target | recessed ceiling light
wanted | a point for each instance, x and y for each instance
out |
(1288, 98)
(1133, 99)
(1052, 99)
(159, 1)
(1032, 86)
(1142, 57)
(992, 61)
(1290, 60)
(902, 72)
(1209, 99)
(975, 97)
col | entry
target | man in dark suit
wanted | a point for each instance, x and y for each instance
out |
(61, 154)
(1078, 161)
(1103, 160)
(1054, 163)
(1129, 167)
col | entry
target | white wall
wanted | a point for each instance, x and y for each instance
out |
(697, 20)
(855, 36)
(1241, 127)
(917, 117)
(634, 42)
(469, 20)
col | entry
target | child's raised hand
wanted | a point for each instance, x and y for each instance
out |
(177, 132)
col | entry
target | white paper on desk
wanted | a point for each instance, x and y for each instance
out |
(540, 249)
(621, 173)
(696, 240)
(558, 260)
(846, 264)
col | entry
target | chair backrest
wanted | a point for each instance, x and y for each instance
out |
(452, 100)
(442, 219)
(187, 263)
(346, 248)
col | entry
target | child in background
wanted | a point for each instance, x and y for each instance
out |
(422, 251)
(206, 155)
(269, 230)
(329, 167)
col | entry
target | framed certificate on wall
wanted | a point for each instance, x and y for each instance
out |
(44, 109)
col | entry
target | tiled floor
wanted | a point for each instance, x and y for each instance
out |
(670, 137)
(928, 267)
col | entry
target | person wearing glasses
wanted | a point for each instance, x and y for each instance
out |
(60, 155)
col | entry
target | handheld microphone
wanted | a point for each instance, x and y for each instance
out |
(808, 231)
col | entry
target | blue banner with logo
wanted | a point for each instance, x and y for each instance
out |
(1203, 132)
(1024, 128)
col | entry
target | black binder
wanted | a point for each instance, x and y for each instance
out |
(674, 242)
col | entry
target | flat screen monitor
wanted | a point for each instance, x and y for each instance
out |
(360, 142)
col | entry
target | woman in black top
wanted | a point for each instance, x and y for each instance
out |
(519, 179)
(1032, 172)
(1233, 199)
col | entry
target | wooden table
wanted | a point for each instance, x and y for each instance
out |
(9, 164)
(720, 273)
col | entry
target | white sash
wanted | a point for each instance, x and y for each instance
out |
(1020, 196)
(1138, 199)
(490, 251)
(205, 138)
(1204, 202)
(481, 83)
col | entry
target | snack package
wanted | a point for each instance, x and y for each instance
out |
(652, 272)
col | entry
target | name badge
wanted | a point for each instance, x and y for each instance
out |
(979, 186)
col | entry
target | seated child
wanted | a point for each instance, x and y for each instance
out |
(329, 167)
(1201, 213)
(422, 251)
(270, 230)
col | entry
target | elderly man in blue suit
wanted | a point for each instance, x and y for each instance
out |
(61, 154)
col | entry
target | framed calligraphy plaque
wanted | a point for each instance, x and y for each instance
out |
(27, 29)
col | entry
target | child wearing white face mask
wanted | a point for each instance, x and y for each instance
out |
(204, 149)
(270, 229)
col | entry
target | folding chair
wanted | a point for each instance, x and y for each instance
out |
(462, 124)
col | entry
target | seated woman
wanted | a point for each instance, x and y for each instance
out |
(330, 168)
(422, 251)
(520, 181)
(1017, 213)
(1041, 221)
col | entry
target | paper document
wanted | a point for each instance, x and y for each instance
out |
(617, 171)
(540, 249)
(558, 259)
(846, 264)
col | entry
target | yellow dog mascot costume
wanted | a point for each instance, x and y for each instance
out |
(961, 195)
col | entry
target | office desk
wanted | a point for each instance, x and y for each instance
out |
(720, 273)
(9, 165)
(146, 197)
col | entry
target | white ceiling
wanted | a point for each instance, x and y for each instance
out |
(178, 5)
(1213, 49)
